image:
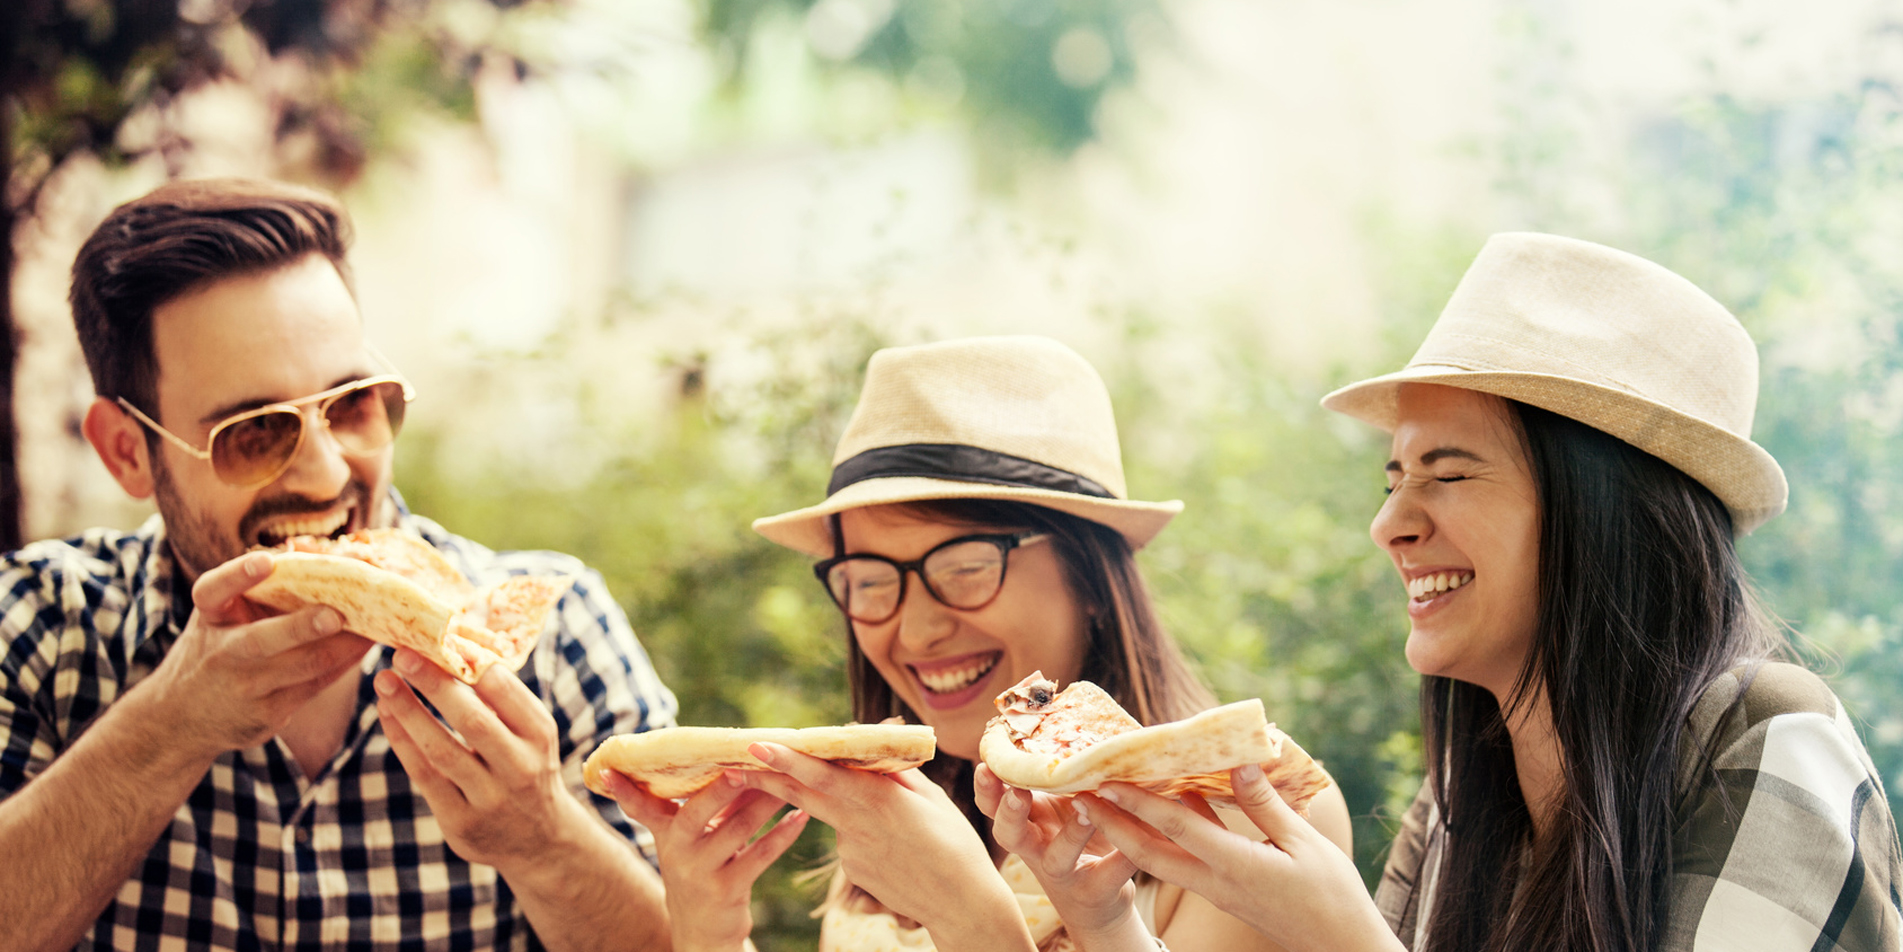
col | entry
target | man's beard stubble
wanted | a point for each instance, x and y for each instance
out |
(198, 544)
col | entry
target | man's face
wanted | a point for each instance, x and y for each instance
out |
(240, 343)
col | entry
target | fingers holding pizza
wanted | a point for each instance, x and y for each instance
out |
(1087, 879)
(901, 838)
(490, 768)
(1295, 866)
(707, 862)
(238, 673)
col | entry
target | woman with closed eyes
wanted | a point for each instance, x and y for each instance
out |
(1616, 761)
(976, 530)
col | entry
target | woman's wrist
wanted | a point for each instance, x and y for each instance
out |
(985, 921)
(1124, 933)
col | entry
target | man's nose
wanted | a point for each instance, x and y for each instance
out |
(320, 469)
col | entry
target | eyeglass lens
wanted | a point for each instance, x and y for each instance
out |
(965, 575)
(363, 419)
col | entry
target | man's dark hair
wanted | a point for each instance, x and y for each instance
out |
(178, 238)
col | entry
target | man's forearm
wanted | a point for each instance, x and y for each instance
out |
(594, 893)
(74, 834)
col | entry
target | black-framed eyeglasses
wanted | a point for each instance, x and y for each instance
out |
(965, 573)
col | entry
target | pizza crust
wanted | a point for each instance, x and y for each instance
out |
(678, 762)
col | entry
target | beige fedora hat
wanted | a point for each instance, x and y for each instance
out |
(1606, 338)
(1020, 418)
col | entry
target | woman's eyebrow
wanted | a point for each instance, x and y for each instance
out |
(1433, 456)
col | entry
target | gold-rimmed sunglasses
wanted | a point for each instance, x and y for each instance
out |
(252, 448)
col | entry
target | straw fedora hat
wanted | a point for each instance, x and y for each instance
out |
(1606, 338)
(1019, 418)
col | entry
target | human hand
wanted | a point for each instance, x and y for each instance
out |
(497, 789)
(1297, 887)
(902, 839)
(238, 671)
(1088, 884)
(707, 864)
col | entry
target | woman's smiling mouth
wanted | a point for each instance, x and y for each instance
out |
(1434, 584)
(953, 683)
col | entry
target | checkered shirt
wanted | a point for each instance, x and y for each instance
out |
(260, 856)
(1788, 847)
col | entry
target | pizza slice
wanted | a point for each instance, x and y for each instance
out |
(396, 589)
(1080, 738)
(676, 762)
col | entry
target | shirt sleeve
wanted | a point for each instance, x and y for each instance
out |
(1788, 842)
(31, 620)
(598, 682)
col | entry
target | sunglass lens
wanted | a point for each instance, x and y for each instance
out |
(252, 450)
(366, 419)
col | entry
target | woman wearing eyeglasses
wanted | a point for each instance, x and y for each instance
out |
(976, 529)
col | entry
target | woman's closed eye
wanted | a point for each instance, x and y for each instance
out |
(1417, 480)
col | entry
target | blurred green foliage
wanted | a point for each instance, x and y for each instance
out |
(1027, 74)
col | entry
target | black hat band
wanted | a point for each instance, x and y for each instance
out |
(957, 461)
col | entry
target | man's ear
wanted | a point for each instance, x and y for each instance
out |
(120, 442)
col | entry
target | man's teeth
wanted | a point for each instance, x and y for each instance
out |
(1428, 586)
(321, 525)
(947, 680)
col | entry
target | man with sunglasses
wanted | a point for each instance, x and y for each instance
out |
(180, 769)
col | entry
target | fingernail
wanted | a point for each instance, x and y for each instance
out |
(327, 621)
(408, 663)
(1083, 812)
(1110, 795)
(258, 566)
(612, 781)
(766, 755)
(1011, 801)
(733, 778)
(386, 683)
(1249, 773)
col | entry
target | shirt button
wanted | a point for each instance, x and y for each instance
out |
(304, 836)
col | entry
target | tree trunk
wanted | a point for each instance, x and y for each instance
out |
(9, 334)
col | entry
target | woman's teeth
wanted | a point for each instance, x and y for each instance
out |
(1428, 586)
(947, 680)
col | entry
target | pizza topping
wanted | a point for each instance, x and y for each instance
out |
(396, 551)
(1044, 720)
(1024, 704)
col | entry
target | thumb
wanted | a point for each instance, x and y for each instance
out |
(1263, 806)
(987, 790)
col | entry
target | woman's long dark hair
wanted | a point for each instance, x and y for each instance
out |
(1642, 605)
(1129, 654)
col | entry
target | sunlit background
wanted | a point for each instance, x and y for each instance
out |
(635, 254)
